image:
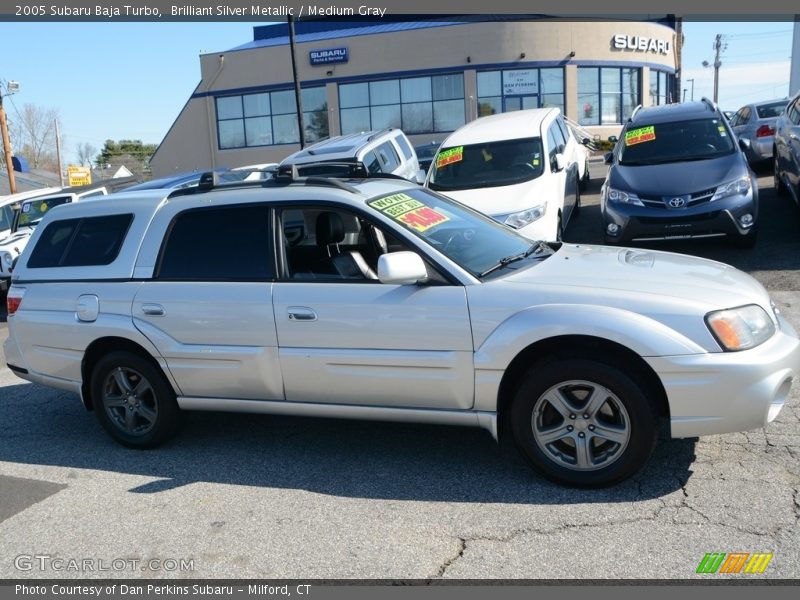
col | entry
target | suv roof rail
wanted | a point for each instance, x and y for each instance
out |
(635, 110)
(377, 133)
(710, 103)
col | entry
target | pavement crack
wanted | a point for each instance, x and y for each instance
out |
(462, 545)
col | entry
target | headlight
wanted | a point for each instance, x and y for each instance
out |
(741, 328)
(518, 220)
(732, 188)
(615, 195)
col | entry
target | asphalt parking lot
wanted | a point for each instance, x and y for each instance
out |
(275, 497)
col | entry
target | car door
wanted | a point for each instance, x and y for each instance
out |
(742, 123)
(792, 137)
(358, 341)
(565, 179)
(208, 306)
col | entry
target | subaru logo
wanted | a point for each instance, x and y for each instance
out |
(676, 202)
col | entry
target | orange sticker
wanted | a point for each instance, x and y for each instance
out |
(422, 219)
(453, 155)
(643, 134)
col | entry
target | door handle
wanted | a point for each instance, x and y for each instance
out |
(153, 310)
(301, 313)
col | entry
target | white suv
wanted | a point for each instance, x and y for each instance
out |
(521, 168)
(379, 299)
(385, 151)
(25, 221)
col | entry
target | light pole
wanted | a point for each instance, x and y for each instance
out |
(684, 91)
(13, 86)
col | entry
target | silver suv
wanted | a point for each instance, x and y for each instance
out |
(385, 151)
(378, 299)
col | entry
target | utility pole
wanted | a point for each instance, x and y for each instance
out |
(12, 184)
(717, 64)
(297, 95)
(58, 156)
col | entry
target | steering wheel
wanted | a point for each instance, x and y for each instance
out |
(522, 165)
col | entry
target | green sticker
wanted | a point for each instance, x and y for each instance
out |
(450, 156)
(643, 134)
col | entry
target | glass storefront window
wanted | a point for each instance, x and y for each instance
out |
(415, 104)
(607, 95)
(514, 89)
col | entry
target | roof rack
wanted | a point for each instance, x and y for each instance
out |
(635, 110)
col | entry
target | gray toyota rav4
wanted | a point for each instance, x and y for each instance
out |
(678, 172)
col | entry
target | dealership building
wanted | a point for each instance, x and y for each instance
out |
(426, 77)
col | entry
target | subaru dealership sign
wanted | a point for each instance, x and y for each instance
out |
(328, 56)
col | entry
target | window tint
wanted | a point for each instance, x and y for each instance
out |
(745, 118)
(388, 155)
(189, 252)
(795, 116)
(80, 242)
(401, 141)
(769, 111)
(553, 149)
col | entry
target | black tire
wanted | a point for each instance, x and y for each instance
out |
(532, 417)
(577, 208)
(133, 400)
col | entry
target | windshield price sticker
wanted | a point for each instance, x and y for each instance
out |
(410, 212)
(643, 134)
(453, 155)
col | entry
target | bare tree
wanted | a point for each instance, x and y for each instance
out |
(33, 132)
(86, 153)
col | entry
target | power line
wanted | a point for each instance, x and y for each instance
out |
(759, 34)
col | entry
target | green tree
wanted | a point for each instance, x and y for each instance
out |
(124, 152)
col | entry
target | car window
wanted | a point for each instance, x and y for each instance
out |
(677, 141)
(324, 243)
(745, 118)
(770, 111)
(188, 253)
(6, 217)
(490, 164)
(404, 146)
(80, 242)
(554, 146)
(372, 163)
(795, 116)
(565, 133)
(32, 211)
(468, 238)
(388, 157)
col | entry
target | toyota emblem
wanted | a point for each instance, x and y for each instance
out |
(676, 202)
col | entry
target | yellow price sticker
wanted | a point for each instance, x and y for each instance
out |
(643, 134)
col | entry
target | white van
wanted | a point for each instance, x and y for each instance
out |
(7, 207)
(521, 168)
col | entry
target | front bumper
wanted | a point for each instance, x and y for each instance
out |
(711, 219)
(729, 391)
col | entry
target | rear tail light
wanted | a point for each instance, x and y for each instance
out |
(765, 131)
(14, 299)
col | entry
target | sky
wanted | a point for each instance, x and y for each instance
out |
(130, 80)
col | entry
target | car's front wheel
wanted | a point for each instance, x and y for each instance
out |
(133, 400)
(583, 422)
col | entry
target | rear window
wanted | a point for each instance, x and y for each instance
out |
(191, 251)
(90, 241)
(770, 111)
(401, 141)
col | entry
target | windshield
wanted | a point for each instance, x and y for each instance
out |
(468, 238)
(698, 139)
(33, 210)
(489, 164)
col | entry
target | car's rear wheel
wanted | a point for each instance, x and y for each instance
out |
(133, 400)
(584, 182)
(577, 209)
(583, 422)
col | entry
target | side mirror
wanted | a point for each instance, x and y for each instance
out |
(586, 141)
(421, 176)
(561, 162)
(401, 268)
(744, 144)
(613, 139)
(608, 158)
